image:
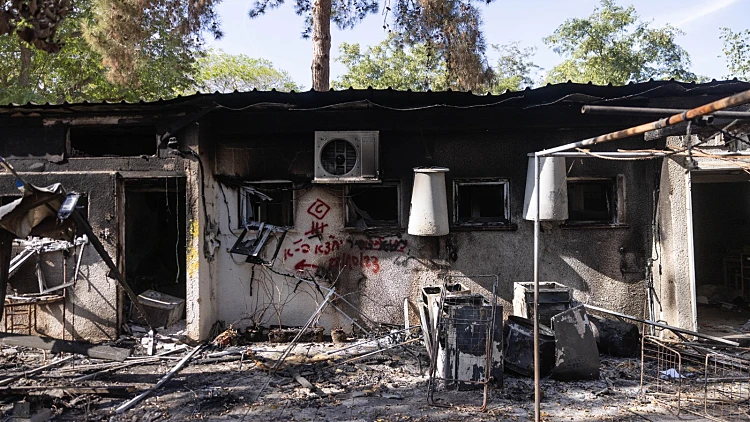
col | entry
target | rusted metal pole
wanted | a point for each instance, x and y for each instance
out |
(654, 111)
(537, 231)
(731, 101)
(734, 100)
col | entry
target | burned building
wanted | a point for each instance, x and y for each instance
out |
(251, 205)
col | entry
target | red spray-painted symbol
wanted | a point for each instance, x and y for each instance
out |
(318, 209)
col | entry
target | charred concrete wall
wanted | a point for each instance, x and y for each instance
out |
(375, 270)
(93, 308)
(675, 275)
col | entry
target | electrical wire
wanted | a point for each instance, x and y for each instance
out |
(512, 95)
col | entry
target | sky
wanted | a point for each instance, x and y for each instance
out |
(276, 36)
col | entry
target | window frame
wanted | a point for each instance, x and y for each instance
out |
(244, 194)
(507, 223)
(349, 225)
(617, 215)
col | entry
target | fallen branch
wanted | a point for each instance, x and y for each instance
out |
(375, 352)
(106, 390)
(304, 382)
(9, 380)
(332, 352)
(132, 402)
(289, 348)
(151, 359)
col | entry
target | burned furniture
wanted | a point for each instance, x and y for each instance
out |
(465, 337)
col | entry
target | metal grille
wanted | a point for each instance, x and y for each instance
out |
(689, 377)
(466, 347)
(338, 157)
(727, 388)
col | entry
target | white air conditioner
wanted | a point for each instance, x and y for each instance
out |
(347, 157)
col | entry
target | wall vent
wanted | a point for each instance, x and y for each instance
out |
(347, 157)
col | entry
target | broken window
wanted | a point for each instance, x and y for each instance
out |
(270, 202)
(593, 201)
(373, 205)
(480, 202)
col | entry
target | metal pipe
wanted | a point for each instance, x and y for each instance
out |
(734, 100)
(731, 101)
(665, 326)
(537, 387)
(654, 111)
(634, 154)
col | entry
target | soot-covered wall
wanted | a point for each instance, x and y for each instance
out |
(375, 271)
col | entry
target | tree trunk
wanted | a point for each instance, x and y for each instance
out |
(23, 77)
(321, 36)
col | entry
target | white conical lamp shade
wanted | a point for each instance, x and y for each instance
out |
(553, 187)
(429, 204)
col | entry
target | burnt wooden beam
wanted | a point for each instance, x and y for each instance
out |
(57, 346)
(104, 390)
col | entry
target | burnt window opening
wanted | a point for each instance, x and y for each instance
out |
(481, 202)
(114, 141)
(154, 228)
(270, 202)
(593, 201)
(373, 206)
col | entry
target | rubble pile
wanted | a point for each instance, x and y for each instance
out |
(362, 380)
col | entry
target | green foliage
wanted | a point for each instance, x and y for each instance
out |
(132, 36)
(451, 28)
(613, 46)
(417, 67)
(222, 72)
(344, 14)
(391, 64)
(33, 21)
(737, 52)
(514, 70)
(76, 73)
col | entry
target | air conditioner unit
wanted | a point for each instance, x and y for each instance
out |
(347, 157)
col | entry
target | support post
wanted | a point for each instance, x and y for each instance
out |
(537, 230)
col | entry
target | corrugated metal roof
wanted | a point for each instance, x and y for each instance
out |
(566, 93)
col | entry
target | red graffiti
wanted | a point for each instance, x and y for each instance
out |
(318, 209)
(327, 247)
(352, 261)
(288, 253)
(379, 244)
(303, 265)
(316, 228)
